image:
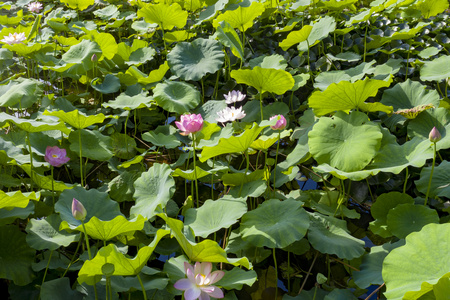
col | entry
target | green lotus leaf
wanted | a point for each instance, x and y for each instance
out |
(78, 4)
(124, 284)
(436, 70)
(241, 18)
(189, 174)
(76, 119)
(17, 199)
(406, 218)
(407, 95)
(330, 235)
(166, 16)
(30, 125)
(141, 56)
(274, 61)
(240, 247)
(121, 187)
(107, 13)
(111, 84)
(16, 256)
(155, 75)
(106, 230)
(371, 266)
(152, 189)
(236, 278)
(23, 91)
(320, 30)
(94, 145)
(81, 54)
(205, 251)
(404, 34)
(387, 201)
(440, 186)
(44, 234)
(163, 136)
(91, 272)
(45, 182)
(431, 8)
(345, 56)
(442, 288)
(124, 50)
(233, 144)
(425, 121)
(123, 146)
(296, 37)
(428, 52)
(265, 80)
(264, 142)
(346, 96)
(125, 102)
(347, 142)
(329, 203)
(59, 289)
(412, 270)
(275, 224)
(214, 215)
(96, 203)
(237, 179)
(9, 216)
(175, 96)
(192, 61)
(250, 189)
(27, 50)
(228, 37)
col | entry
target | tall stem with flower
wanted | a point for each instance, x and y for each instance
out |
(434, 136)
(56, 157)
(279, 125)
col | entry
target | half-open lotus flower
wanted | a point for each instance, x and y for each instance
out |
(281, 122)
(230, 114)
(35, 7)
(198, 284)
(56, 156)
(233, 97)
(190, 123)
(14, 38)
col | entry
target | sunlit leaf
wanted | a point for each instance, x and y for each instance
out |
(265, 80)
(320, 30)
(126, 102)
(76, 119)
(431, 8)
(78, 4)
(436, 70)
(227, 35)
(17, 199)
(241, 18)
(166, 16)
(176, 96)
(296, 37)
(30, 125)
(24, 91)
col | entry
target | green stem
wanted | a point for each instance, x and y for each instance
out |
(261, 105)
(276, 273)
(46, 268)
(431, 174)
(246, 170)
(90, 255)
(365, 42)
(31, 154)
(195, 169)
(81, 158)
(370, 191)
(53, 186)
(288, 272)
(406, 180)
(275, 166)
(142, 287)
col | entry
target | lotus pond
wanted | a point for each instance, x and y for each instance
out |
(188, 149)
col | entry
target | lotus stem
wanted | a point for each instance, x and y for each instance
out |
(431, 174)
(276, 160)
(81, 158)
(142, 287)
(53, 187)
(276, 272)
(195, 169)
(89, 253)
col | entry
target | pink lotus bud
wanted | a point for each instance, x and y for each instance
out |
(78, 210)
(56, 156)
(281, 122)
(190, 123)
(94, 57)
(435, 135)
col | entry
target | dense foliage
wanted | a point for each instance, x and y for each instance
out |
(252, 150)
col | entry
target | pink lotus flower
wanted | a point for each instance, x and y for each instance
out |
(35, 7)
(56, 156)
(14, 38)
(190, 123)
(281, 122)
(198, 285)
(78, 210)
(233, 97)
(435, 135)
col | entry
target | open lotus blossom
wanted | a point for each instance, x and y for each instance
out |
(14, 38)
(435, 135)
(230, 114)
(35, 7)
(198, 284)
(281, 122)
(56, 156)
(233, 97)
(78, 210)
(190, 123)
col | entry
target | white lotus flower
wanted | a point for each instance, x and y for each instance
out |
(233, 97)
(14, 38)
(35, 7)
(230, 114)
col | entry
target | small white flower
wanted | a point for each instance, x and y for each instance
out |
(230, 114)
(14, 38)
(233, 97)
(35, 7)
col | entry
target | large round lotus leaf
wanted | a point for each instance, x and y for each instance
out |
(436, 70)
(23, 91)
(96, 203)
(237, 277)
(123, 146)
(174, 96)
(192, 61)
(31, 125)
(76, 119)
(44, 234)
(110, 84)
(241, 18)
(440, 186)
(152, 189)
(214, 215)
(412, 270)
(406, 218)
(372, 263)
(15, 255)
(347, 142)
(164, 15)
(94, 145)
(125, 102)
(275, 224)
(407, 95)
(59, 289)
(81, 54)
(424, 122)
(9, 216)
(330, 235)
(265, 80)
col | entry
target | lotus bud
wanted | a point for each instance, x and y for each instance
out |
(94, 57)
(78, 210)
(435, 135)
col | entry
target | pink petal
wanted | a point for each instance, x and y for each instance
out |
(216, 276)
(183, 284)
(190, 274)
(204, 296)
(180, 126)
(213, 291)
(206, 268)
(192, 293)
